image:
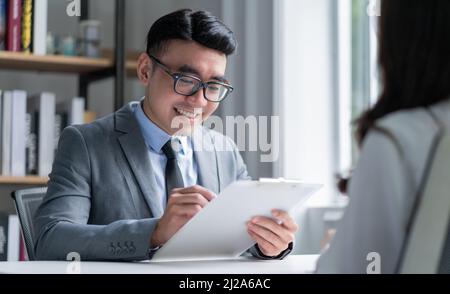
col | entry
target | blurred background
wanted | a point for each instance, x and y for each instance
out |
(312, 63)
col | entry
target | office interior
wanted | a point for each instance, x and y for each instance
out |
(310, 63)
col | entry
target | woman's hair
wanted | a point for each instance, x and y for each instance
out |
(414, 59)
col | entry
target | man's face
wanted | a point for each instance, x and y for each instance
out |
(172, 112)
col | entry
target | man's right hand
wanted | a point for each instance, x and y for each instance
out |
(183, 204)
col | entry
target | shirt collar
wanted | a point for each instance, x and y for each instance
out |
(154, 136)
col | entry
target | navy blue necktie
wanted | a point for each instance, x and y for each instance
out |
(172, 174)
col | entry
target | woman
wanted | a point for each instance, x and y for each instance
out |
(396, 136)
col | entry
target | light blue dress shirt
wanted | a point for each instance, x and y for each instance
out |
(155, 138)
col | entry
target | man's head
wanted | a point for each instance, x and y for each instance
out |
(185, 50)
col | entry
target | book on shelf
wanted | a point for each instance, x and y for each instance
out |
(30, 137)
(18, 133)
(31, 145)
(10, 238)
(6, 132)
(13, 33)
(13, 132)
(40, 14)
(41, 110)
(27, 18)
(23, 26)
(2, 24)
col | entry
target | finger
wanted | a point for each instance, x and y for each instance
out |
(266, 247)
(271, 225)
(187, 211)
(196, 189)
(286, 219)
(193, 198)
(267, 235)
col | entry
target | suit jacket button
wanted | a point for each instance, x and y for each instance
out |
(132, 248)
(118, 249)
(111, 249)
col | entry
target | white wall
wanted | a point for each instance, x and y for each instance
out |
(306, 91)
(251, 68)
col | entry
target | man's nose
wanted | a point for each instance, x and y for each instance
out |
(197, 99)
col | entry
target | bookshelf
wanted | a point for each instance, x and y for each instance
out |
(115, 63)
(60, 63)
(52, 63)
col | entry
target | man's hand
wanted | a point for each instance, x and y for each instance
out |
(272, 235)
(183, 204)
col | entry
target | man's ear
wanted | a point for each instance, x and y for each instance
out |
(144, 68)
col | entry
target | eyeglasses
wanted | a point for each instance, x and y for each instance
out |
(188, 85)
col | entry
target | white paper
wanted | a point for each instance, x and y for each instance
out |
(219, 230)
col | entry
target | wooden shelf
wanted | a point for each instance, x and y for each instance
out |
(59, 63)
(28, 180)
(52, 63)
(131, 67)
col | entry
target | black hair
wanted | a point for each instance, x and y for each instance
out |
(414, 58)
(199, 26)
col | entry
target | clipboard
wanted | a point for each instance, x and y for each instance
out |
(219, 230)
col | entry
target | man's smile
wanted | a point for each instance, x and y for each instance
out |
(188, 113)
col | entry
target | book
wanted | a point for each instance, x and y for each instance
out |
(60, 124)
(40, 11)
(76, 113)
(2, 25)
(42, 107)
(18, 132)
(3, 237)
(31, 145)
(27, 13)
(9, 237)
(13, 33)
(1, 124)
(23, 255)
(6, 132)
(13, 238)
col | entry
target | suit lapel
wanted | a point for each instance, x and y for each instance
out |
(206, 159)
(136, 153)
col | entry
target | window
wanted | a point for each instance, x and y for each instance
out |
(365, 82)
(325, 77)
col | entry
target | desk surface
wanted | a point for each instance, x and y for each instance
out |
(294, 264)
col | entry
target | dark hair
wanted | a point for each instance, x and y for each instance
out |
(199, 26)
(414, 59)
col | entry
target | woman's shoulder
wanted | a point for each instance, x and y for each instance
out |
(414, 127)
(416, 121)
(412, 132)
(411, 121)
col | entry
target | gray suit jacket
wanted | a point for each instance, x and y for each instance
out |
(99, 201)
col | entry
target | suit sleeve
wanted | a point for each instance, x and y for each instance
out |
(61, 222)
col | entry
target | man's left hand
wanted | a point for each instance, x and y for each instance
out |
(273, 235)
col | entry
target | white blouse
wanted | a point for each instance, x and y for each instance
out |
(382, 191)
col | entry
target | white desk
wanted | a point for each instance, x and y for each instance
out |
(294, 264)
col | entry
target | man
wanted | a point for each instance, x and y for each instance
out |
(119, 189)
